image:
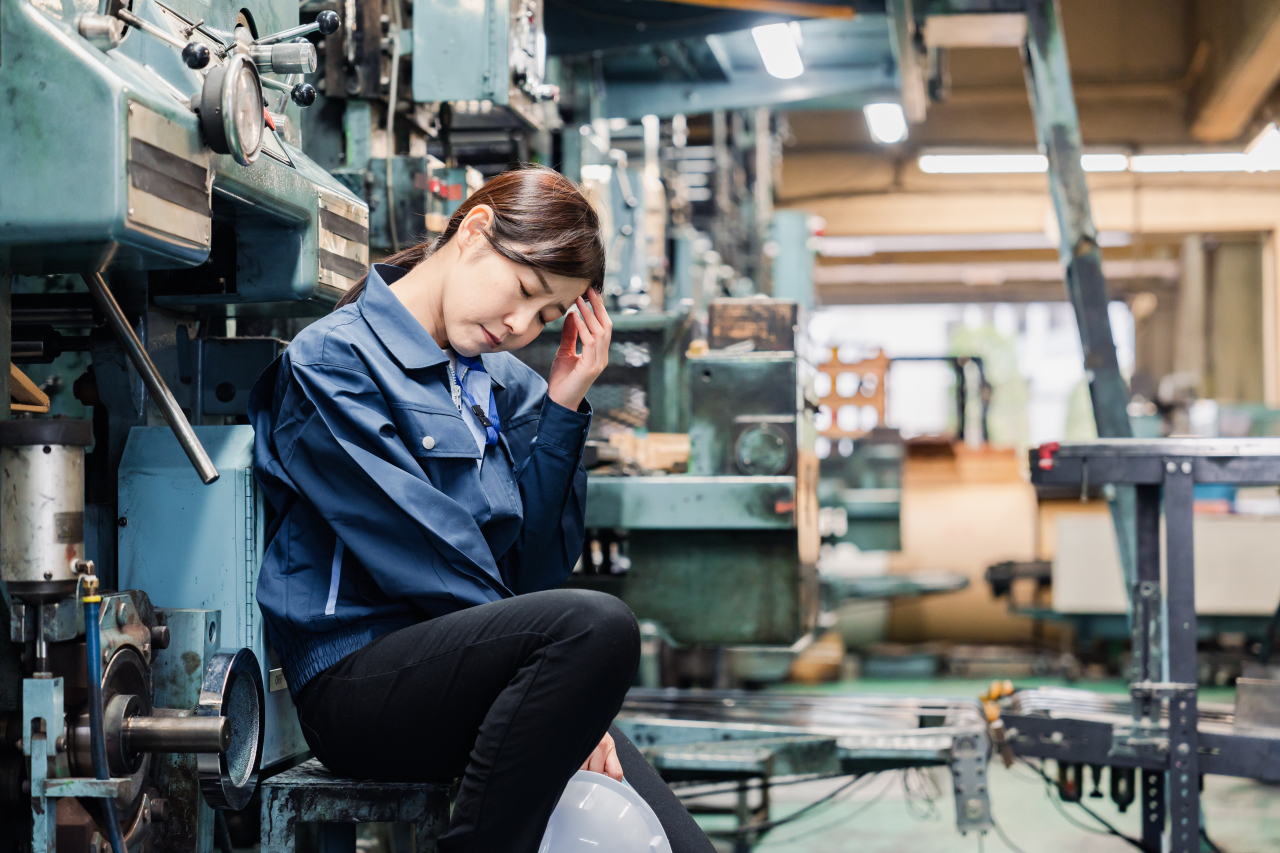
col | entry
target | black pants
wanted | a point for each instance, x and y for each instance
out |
(511, 696)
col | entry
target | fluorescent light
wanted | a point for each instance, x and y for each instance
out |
(1264, 151)
(1265, 156)
(982, 164)
(778, 49)
(886, 122)
(865, 246)
(1212, 162)
(1104, 162)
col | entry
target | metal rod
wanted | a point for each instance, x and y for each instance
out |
(155, 385)
(151, 29)
(285, 35)
(177, 734)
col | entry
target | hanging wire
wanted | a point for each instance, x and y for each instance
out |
(845, 818)
(755, 829)
(1110, 830)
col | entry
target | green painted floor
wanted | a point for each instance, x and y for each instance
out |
(898, 812)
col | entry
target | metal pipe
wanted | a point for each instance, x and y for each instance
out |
(155, 385)
(93, 656)
(177, 734)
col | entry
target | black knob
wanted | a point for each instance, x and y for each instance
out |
(328, 22)
(160, 637)
(303, 94)
(195, 55)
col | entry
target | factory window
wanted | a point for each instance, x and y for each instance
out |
(1030, 354)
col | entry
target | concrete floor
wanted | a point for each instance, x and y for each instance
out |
(879, 814)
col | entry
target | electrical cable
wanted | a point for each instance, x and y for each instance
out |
(97, 740)
(732, 788)
(758, 828)
(394, 94)
(1110, 830)
(1005, 838)
(845, 818)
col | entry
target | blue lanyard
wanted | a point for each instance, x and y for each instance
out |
(489, 422)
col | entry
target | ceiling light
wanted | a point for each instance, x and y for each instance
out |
(1104, 162)
(982, 164)
(886, 122)
(1201, 162)
(1264, 151)
(778, 49)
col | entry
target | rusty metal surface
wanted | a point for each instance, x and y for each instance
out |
(310, 793)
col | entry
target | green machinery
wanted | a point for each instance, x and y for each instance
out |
(722, 555)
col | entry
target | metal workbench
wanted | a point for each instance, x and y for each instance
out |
(1164, 732)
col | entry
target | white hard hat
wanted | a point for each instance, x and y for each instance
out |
(596, 813)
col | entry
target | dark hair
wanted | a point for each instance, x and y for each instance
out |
(541, 219)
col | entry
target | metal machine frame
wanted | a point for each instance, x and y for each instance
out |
(1166, 737)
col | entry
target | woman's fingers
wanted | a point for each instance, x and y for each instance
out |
(584, 328)
(598, 309)
(612, 766)
(590, 309)
(569, 336)
(604, 759)
(596, 762)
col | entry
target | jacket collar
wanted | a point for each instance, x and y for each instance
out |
(402, 334)
(399, 331)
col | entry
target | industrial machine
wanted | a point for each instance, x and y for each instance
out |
(157, 187)
(1160, 730)
(110, 700)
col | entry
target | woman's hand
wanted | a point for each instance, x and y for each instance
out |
(604, 759)
(572, 374)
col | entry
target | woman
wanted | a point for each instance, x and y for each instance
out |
(429, 492)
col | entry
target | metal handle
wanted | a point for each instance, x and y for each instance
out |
(151, 377)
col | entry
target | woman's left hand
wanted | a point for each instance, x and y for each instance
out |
(571, 373)
(604, 759)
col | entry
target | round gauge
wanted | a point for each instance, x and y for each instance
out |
(231, 109)
(762, 450)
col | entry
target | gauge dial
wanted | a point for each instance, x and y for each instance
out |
(231, 109)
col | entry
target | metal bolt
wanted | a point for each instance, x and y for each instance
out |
(159, 810)
(122, 521)
(1183, 748)
(974, 809)
(1186, 467)
(131, 211)
(1170, 467)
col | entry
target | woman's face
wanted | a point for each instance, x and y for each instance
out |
(491, 304)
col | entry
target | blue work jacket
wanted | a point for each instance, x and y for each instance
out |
(383, 517)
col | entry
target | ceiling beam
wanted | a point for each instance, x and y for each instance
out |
(787, 8)
(1245, 60)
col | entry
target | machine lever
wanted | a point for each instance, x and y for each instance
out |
(151, 377)
(194, 54)
(327, 23)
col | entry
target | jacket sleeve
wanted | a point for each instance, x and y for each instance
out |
(553, 490)
(338, 444)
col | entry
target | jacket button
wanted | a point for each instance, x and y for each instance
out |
(428, 442)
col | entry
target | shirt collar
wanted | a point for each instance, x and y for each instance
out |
(399, 331)
(497, 367)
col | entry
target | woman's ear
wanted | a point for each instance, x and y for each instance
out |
(474, 226)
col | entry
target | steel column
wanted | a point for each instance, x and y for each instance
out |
(1184, 775)
(1053, 107)
(1146, 598)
